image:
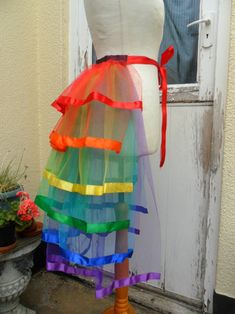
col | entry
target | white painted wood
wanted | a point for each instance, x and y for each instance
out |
(207, 56)
(221, 74)
(164, 303)
(187, 199)
(206, 59)
(80, 44)
(187, 93)
(182, 190)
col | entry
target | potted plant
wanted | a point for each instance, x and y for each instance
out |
(7, 226)
(10, 176)
(18, 216)
(26, 225)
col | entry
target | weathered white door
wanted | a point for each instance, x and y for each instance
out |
(189, 184)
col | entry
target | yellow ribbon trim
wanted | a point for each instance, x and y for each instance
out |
(97, 190)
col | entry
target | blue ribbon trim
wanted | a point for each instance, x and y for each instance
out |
(52, 237)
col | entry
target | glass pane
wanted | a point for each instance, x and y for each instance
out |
(178, 13)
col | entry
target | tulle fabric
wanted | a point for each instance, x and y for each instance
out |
(99, 99)
(95, 253)
(96, 191)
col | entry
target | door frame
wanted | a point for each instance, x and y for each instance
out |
(220, 99)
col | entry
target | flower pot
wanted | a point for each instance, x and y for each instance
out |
(7, 237)
(33, 230)
(7, 197)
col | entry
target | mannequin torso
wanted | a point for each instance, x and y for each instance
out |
(133, 27)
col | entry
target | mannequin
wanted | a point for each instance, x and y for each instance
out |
(133, 27)
(95, 189)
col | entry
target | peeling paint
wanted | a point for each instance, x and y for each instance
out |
(202, 143)
(218, 122)
(205, 143)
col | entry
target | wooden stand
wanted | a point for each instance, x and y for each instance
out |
(121, 305)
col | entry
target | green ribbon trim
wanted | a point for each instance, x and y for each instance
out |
(79, 224)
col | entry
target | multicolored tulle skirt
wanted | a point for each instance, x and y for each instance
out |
(97, 191)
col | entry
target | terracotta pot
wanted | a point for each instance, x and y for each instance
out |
(7, 237)
(33, 230)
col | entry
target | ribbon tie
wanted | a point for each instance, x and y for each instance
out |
(162, 74)
(166, 56)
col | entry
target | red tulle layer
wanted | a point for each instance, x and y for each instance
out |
(112, 83)
(97, 108)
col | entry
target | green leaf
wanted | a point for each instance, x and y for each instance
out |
(10, 174)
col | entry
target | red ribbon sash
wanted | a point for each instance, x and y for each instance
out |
(166, 56)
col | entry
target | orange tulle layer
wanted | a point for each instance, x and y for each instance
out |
(61, 143)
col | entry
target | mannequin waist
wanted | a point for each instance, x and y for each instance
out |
(126, 59)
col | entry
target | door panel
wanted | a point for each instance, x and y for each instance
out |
(182, 188)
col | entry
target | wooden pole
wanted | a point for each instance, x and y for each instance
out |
(121, 305)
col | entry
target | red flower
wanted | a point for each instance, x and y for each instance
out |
(23, 195)
(27, 209)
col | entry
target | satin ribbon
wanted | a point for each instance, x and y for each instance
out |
(137, 208)
(126, 282)
(63, 101)
(56, 263)
(61, 142)
(82, 225)
(83, 260)
(83, 189)
(72, 233)
(53, 236)
(166, 56)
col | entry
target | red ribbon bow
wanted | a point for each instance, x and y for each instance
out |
(166, 56)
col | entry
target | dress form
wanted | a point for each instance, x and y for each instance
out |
(133, 27)
(93, 198)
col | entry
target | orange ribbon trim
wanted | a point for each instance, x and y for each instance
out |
(61, 142)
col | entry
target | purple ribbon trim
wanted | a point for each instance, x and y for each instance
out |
(130, 281)
(97, 274)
